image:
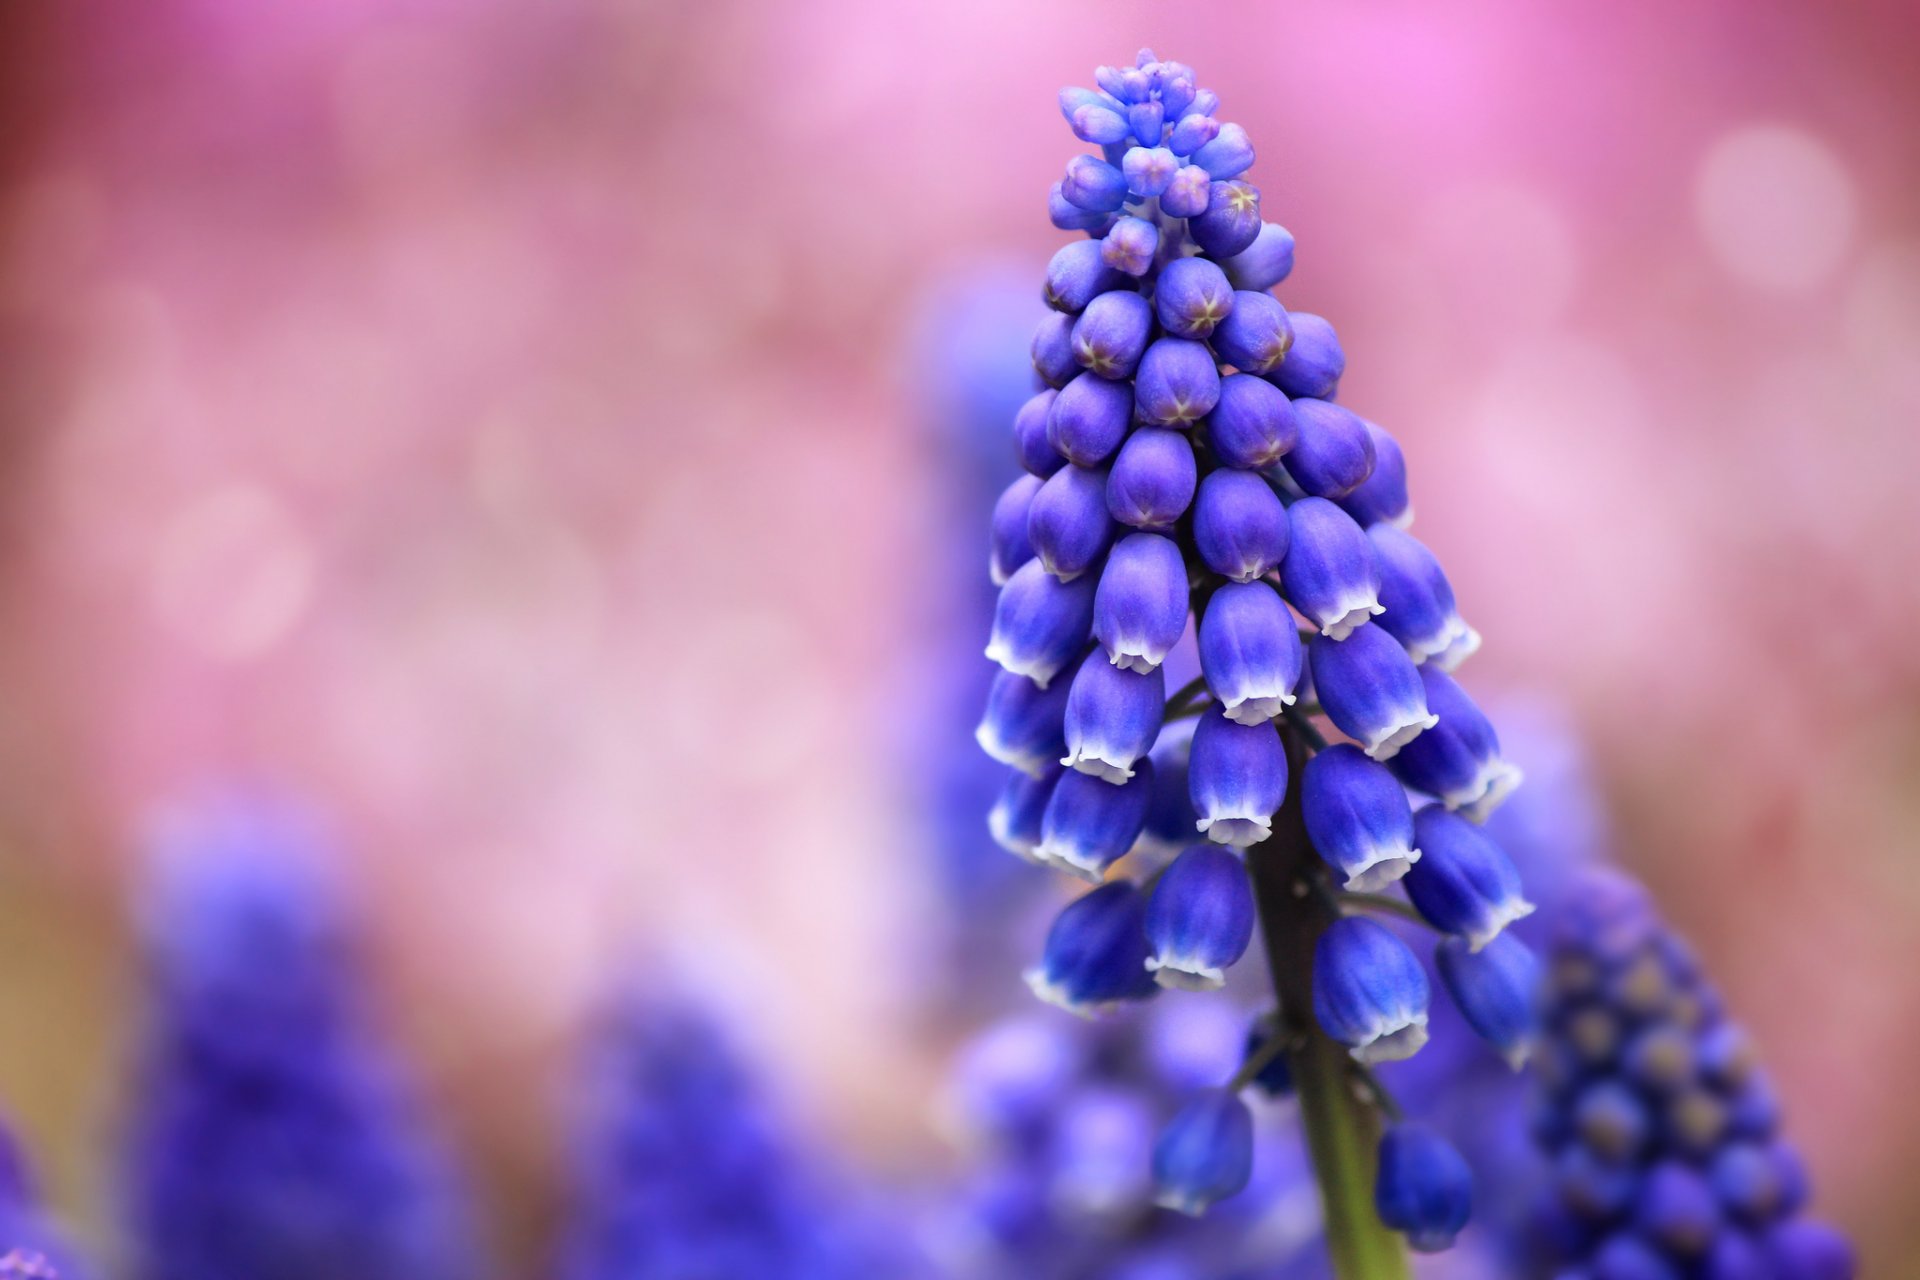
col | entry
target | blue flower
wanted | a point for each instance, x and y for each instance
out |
(1112, 718)
(1140, 609)
(1358, 817)
(1205, 1153)
(1458, 760)
(1096, 953)
(1237, 777)
(1152, 481)
(1371, 690)
(1330, 571)
(1040, 624)
(1239, 525)
(1369, 991)
(1423, 1189)
(1463, 883)
(1199, 919)
(1316, 362)
(1419, 607)
(1090, 823)
(1249, 652)
(1496, 989)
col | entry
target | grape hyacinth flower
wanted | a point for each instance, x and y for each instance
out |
(270, 1135)
(1661, 1126)
(1199, 487)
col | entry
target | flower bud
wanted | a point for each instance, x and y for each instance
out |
(1073, 98)
(1112, 717)
(1496, 989)
(1200, 919)
(1010, 547)
(1040, 624)
(1093, 185)
(1112, 332)
(1014, 821)
(1130, 245)
(1371, 690)
(1329, 573)
(1228, 155)
(1593, 1186)
(1231, 222)
(1140, 608)
(1237, 779)
(1250, 653)
(1009, 1078)
(1068, 216)
(1205, 103)
(1177, 385)
(1076, 276)
(1458, 761)
(1148, 120)
(1149, 171)
(1205, 1153)
(1334, 455)
(1192, 297)
(1089, 419)
(1369, 991)
(1067, 522)
(1153, 479)
(1099, 1152)
(1420, 609)
(1676, 1210)
(1097, 124)
(1255, 336)
(1089, 823)
(1808, 1250)
(1187, 195)
(1382, 497)
(1191, 134)
(1240, 526)
(1096, 952)
(1053, 354)
(1264, 263)
(1424, 1189)
(1252, 426)
(1037, 454)
(1463, 884)
(1315, 362)
(1357, 817)
(1024, 725)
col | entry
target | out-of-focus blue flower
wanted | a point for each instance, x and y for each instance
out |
(32, 1245)
(269, 1136)
(1424, 1190)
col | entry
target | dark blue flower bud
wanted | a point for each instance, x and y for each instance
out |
(1808, 1250)
(1231, 221)
(1357, 817)
(1148, 119)
(1096, 952)
(1094, 185)
(1677, 1210)
(1420, 609)
(1111, 333)
(1757, 1182)
(1017, 813)
(1237, 779)
(1009, 547)
(1067, 522)
(1275, 1079)
(1252, 427)
(1077, 275)
(1734, 1256)
(1205, 1153)
(1255, 336)
(1037, 453)
(1458, 761)
(1628, 1257)
(1250, 652)
(1040, 624)
(1187, 195)
(1240, 526)
(1229, 155)
(1140, 609)
(1153, 478)
(1089, 419)
(1369, 991)
(1023, 726)
(1264, 263)
(1200, 919)
(1178, 383)
(1112, 717)
(1053, 355)
(1608, 1117)
(1071, 217)
(1371, 690)
(1191, 297)
(1594, 1186)
(1330, 573)
(1315, 363)
(1097, 124)
(1334, 455)
(1382, 497)
(1464, 883)
(1130, 246)
(1496, 989)
(1424, 1189)
(1090, 824)
(1191, 134)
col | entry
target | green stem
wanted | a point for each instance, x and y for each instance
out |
(1342, 1123)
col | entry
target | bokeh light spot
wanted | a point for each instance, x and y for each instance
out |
(1776, 207)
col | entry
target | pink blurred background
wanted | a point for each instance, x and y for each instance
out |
(503, 421)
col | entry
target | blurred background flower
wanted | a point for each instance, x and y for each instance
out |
(512, 423)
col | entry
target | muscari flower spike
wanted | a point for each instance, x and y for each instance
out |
(270, 1136)
(1661, 1127)
(1193, 489)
